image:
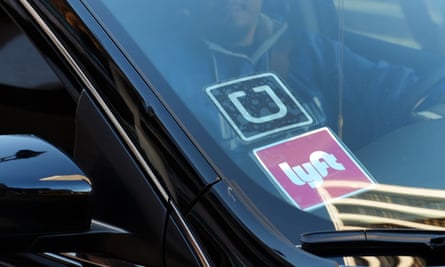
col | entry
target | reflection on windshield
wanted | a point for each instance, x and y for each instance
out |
(389, 12)
(385, 206)
(400, 261)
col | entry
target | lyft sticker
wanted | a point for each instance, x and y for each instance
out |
(313, 169)
(258, 105)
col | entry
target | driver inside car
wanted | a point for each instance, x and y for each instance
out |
(238, 39)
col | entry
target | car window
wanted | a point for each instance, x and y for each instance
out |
(20, 63)
(32, 98)
(337, 113)
(380, 13)
(396, 21)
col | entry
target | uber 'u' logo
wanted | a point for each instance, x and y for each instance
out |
(258, 105)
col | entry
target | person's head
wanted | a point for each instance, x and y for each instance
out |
(228, 21)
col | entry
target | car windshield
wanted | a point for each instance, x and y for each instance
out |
(330, 109)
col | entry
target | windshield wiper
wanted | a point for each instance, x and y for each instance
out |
(376, 242)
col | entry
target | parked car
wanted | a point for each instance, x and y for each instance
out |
(222, 133)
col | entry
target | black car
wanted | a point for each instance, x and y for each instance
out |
(222, 133)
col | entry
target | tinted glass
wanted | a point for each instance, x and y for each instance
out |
(330, 108)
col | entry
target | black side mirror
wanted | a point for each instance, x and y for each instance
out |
(42, 191)
(45, 205)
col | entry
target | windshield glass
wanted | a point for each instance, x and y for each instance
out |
(330, 108)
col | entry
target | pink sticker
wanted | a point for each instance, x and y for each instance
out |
(313, 169)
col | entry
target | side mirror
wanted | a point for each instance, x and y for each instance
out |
(46, 205)
(42, 191)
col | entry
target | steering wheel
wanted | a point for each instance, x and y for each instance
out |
(425, 88)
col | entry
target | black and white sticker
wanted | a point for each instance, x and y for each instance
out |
(259, 105)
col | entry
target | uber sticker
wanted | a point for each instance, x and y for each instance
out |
(257, 106)
(313, 169)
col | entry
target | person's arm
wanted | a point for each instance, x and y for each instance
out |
(374, 93)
